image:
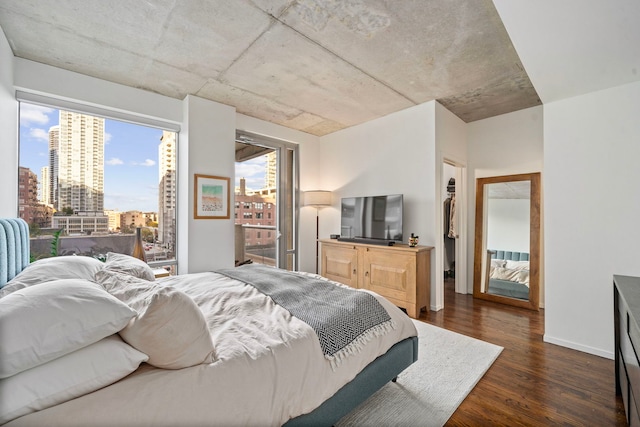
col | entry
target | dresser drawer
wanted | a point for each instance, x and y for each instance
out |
(631, 363)
(624, 385)
(634, 334)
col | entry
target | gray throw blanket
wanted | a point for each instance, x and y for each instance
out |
(344, 319)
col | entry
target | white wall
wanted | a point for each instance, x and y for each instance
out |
(592, 211)
(390, 155)
(503, 145)
(508, 223)
(41, 79)
(210, 134)
(9, 126)
(451, 146)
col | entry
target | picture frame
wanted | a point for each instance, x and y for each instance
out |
(211, 197)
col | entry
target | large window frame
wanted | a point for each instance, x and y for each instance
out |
(116, 115)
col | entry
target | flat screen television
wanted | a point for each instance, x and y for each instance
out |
(372, 219)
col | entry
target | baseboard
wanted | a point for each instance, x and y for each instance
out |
(579, 347)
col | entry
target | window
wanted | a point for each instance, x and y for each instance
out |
(96, 179)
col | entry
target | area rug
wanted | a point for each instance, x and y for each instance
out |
(427, 393)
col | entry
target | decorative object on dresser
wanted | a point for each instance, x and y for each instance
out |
(400, 273)
(626, 313)
(318, 199)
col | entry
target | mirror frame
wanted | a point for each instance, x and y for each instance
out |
(534, 241)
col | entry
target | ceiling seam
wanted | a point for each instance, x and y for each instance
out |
(345, 61)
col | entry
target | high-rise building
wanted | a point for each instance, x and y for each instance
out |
(27, 193)
(52, 184)
(271, 171)
(80, 162)
(43, 185)
(167, 189)
(33, 212)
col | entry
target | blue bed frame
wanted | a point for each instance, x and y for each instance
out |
(506, 287)
(14, 247)
(375, 375)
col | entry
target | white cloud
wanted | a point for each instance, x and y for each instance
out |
(114, 161)
(39, 134)
(253, 172)
(107, 137)
(34, 114)
(147, 162)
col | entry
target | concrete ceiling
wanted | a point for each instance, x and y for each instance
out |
(313, 65)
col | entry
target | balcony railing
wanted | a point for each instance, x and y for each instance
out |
(255, 243)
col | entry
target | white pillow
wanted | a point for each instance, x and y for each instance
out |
(129, 265)
(170, 327)
(497, 263)
(67, 377)
(41, 323)
(523, 277)
(517, 265)
(47, 269)
(504, 274)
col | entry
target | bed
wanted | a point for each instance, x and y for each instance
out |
(211, 348)
(508, 274)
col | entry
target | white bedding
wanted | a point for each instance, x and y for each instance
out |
(269, 368)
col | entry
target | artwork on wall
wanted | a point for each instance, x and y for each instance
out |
(211, 197)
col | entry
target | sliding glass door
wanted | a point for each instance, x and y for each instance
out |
(266, 203)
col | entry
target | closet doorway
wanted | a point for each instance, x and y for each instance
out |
(453, 269)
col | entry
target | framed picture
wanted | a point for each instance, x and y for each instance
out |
(211, 197)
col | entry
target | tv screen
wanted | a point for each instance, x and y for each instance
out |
(372, 217)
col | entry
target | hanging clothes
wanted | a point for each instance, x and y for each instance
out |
(452, 218)
(449, 243)
(449, 228)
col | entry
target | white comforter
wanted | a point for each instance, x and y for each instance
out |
(269, 368)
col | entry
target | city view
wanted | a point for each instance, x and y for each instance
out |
(94, 181)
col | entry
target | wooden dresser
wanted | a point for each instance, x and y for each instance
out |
(626, 302)
(399, 273)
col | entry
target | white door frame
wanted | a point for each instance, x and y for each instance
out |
(462, 239)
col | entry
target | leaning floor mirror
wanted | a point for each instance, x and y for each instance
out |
(507, 240)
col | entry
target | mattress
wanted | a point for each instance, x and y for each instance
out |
(269, 368)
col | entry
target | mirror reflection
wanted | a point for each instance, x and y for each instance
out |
(507, 239)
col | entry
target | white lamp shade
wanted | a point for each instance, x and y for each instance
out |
(317, 198)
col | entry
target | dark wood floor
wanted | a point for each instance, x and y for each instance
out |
(532, 383)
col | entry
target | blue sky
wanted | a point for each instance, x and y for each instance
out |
(131, 159)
